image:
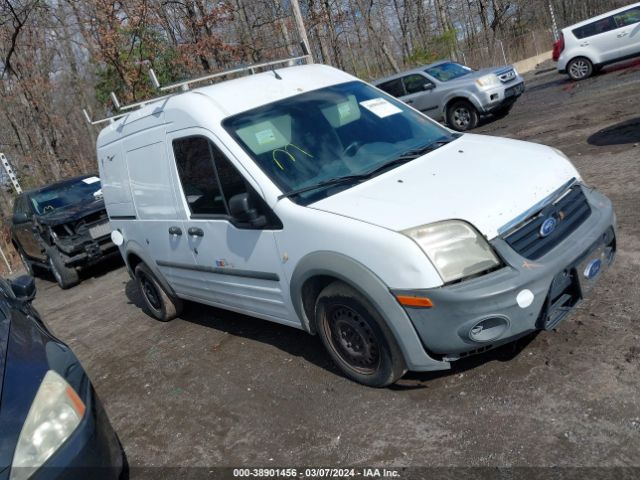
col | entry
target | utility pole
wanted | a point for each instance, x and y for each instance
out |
(556, 36)
(297, 15)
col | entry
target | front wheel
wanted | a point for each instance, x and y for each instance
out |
(580, 68)
(462, 116)
(158, 304)
(65, 277)
(357, 338)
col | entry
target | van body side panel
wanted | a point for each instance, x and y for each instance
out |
(115, 181)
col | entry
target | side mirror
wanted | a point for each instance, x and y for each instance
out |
(24, 288)
(20, 217)
(243, 211)
(428, 86)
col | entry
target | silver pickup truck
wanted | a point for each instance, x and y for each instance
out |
(450, 92)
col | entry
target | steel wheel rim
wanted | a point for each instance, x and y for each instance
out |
(579, 69)
(462, 117)
(150, 292)
(352, 339)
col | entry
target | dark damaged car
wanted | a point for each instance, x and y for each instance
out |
(62, 227)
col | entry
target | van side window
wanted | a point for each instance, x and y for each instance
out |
(394, 87)
(595, 28)
(231, 181)
(194, 159)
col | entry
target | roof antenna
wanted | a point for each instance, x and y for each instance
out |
(276, 74)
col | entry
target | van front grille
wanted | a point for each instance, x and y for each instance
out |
(530, 241)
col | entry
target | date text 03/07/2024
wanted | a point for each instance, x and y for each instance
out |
(315, 473)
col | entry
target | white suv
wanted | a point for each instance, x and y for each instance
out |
(587, 46)
(307, 197)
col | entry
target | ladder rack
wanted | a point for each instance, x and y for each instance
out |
(184, 86)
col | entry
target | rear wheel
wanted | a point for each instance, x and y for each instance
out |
(462, 116)
(357, 338)
(158, 304)
(65, 277)
(580, 68)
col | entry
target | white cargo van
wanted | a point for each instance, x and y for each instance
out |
(307, 197)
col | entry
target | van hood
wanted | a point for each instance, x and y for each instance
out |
(486, 181)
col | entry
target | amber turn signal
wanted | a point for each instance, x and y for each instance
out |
(419, 302)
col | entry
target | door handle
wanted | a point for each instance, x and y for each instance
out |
(584, 44)
(196, 232)
(408, 102)
(623, 34)
(175, 231)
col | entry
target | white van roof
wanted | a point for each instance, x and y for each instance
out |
(238, 95)
(600, 17)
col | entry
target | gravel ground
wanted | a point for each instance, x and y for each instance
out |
(219, 389)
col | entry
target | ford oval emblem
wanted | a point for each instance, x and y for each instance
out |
(593, 268)
(548, 227)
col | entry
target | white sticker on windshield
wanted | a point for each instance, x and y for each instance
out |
(380, 107)
(90, 180)
(265, 136)
(344, 110)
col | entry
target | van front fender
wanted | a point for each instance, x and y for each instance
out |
(359, 277)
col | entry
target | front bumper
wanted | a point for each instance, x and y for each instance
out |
(497, 308)
(87, 252)
(502, 96)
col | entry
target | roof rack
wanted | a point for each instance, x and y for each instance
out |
(184, 86)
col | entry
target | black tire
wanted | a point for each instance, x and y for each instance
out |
(65, 277)
(580, 68)
(462, 116)
(158, 303)
(357, 338)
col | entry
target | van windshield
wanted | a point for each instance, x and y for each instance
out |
(340, 131)
(67, 194)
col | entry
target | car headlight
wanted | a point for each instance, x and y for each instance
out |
(455, 248)
(54, 415)
(490, 80)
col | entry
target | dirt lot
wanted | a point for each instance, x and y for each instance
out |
(214, 388)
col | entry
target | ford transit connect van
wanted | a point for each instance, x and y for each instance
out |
(307, 197)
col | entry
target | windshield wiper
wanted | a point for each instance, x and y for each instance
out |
(325, 183)
(404, 158)
(409, 155)
(429, 147)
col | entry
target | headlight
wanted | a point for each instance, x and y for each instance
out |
(490, 80)
(455, 248)
(55, 413)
